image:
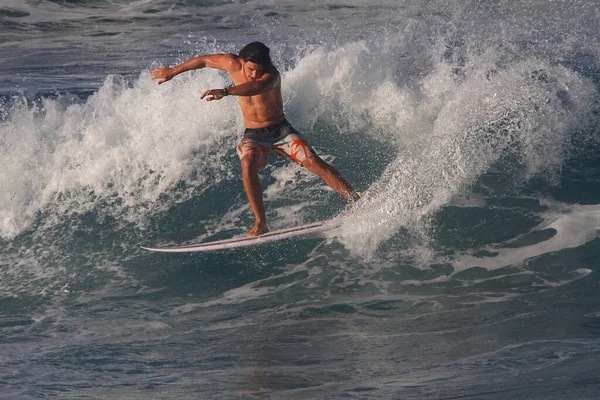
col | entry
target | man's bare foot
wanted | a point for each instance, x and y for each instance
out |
(259, 229)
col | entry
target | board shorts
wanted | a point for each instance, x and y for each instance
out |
(281, 139)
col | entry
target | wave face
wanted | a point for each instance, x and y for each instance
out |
(468, 268)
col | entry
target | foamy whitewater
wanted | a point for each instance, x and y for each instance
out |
(467, 270)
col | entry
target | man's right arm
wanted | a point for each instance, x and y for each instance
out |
(217, 61)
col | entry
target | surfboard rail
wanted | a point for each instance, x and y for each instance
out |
(244, 241)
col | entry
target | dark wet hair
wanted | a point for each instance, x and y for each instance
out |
(257, 53)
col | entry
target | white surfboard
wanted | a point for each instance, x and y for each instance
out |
(297, 231)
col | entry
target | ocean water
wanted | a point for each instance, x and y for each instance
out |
(469, 269)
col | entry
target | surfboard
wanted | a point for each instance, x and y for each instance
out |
(273, 236)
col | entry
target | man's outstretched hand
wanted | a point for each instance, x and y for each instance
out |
(163, 74)
(214, 94)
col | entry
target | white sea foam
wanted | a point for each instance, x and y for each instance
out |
(575, 225)
(527, 110)
(127, 143)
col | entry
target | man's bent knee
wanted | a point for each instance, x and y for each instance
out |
(252, 161)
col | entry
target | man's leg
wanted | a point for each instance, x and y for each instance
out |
(295, 147)
(330, 175)
(253, 188)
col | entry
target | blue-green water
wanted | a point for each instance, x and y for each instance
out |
(468, 270)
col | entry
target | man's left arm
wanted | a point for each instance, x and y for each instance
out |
(267, 82)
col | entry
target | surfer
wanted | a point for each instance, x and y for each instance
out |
(257, 83)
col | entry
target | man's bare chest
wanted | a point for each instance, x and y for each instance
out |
(238, 78)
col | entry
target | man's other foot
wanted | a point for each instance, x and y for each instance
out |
(354, 196)
(258, 229)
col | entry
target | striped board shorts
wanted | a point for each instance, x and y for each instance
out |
(281, 139)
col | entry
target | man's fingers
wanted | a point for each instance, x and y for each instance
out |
(154, 76)
(161, 74)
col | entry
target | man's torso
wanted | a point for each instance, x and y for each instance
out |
(261, 110)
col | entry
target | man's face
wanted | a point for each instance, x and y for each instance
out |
(253, 71)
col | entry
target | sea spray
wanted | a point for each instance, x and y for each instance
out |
(124, 147)
(529, 109)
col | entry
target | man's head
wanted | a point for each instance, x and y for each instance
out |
(257, 59)
(257, 53)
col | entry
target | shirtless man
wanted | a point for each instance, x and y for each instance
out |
(258, 86)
